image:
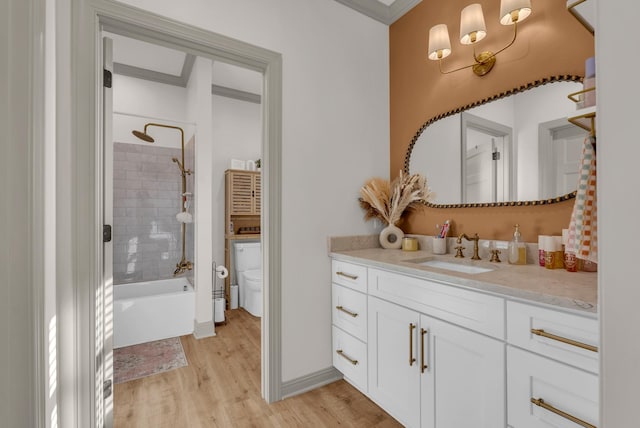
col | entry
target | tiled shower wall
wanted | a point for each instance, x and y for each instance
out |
(146, 199)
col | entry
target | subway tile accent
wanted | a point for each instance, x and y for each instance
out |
(146, 234)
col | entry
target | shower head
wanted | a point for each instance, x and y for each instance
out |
(143, 136)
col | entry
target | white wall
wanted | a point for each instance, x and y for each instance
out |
(618, 208)
(199, 112)
(436, 155)
(237, 133)
(335, 136)
(137, 101)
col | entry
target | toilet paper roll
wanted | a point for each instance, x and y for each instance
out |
(218, 309)
(234, 297)
(222, 272)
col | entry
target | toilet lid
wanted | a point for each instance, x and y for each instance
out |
(253, 275)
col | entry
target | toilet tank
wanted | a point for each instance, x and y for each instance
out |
(248, 256)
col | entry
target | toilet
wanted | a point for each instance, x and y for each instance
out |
(248, 264)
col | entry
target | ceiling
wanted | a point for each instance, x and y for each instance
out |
(385, 11)
(148, 61)
(143, 60)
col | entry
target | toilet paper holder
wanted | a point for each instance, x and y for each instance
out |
(219, 300)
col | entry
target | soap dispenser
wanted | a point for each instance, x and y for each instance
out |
(517, 249)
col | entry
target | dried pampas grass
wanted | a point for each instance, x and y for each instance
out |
(388, 201)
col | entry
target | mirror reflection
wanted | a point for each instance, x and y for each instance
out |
(517, 148)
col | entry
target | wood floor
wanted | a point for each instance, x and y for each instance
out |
(221, 388)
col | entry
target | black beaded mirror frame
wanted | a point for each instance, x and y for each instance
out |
(534, 84)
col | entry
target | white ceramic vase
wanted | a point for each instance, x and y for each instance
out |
(391, 237)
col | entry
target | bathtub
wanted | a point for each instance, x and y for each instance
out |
(154, 310)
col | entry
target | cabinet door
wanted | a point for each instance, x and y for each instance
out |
(463, 383)
(544, 393)
(394, 375)
(241, 193)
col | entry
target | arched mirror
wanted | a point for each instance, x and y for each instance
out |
(513, 148)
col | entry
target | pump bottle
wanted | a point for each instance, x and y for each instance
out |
(517, 249)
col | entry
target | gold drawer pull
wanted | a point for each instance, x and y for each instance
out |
(540, 402)
(346, 311)
(543, 333)
(423, 366)
(347, 275)
(343, 355)
(411, 359)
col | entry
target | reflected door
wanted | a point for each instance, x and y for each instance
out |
(567, 150)
(486, 163)
(560, 153)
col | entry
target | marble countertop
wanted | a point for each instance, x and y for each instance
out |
(557, 287)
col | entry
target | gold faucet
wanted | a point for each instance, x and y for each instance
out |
(475, 240)
(182, 266)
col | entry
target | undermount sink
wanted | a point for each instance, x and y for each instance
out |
(457, 267)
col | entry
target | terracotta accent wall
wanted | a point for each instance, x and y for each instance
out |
(550, 42)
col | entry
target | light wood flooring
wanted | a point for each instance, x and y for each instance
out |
(221, 388)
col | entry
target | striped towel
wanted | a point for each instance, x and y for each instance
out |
(583, 225)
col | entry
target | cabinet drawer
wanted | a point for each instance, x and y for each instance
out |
(476, 311)
(350, 358)
(349, 311)
(528, 327)
(564, 389)
(349, 275)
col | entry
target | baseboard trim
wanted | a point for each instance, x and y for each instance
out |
(310, 381)
(203, 329)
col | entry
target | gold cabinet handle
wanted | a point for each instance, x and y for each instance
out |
(346, 311)
(347, 275)
(540, 332)
(343, 355)
(411, 359)
(541, 403)
(423, 366)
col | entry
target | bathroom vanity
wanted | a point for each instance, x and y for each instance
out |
(439, 342)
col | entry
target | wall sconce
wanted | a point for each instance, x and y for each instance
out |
(472, 30)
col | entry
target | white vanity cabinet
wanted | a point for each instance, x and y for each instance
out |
(464, 377)
(430, 373)
(436, 355)
(552, 368)
(394, 363)
(349, 318)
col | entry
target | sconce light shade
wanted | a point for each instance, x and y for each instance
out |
(512, 11)
(472, 27)
(439, 44)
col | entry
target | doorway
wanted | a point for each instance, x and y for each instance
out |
(487, 167)
(87, 233)
(560, 150)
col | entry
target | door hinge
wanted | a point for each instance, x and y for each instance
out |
(106, 233)
(106, 78)
(495, 156)
(106, 389)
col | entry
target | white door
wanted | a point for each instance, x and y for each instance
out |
(104, 295)
(567, 150)
(463, 383)
(480, 168)
(394, 373)
(560, 152)
(487, 173)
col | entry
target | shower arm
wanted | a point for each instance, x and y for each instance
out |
(183, 264)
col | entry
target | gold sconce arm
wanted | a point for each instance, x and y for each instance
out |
(484, 61)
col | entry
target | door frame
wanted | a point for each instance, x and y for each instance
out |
(494, 129)
(85, 229)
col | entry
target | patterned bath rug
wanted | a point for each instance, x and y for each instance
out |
(146, 359)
